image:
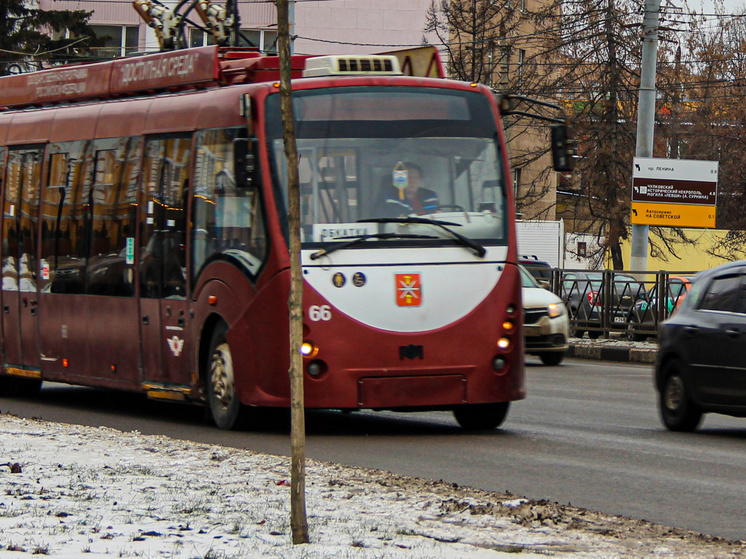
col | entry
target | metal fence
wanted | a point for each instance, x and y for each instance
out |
(622, 301)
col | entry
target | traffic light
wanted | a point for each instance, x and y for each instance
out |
(564, 149)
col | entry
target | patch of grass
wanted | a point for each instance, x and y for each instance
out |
(41, 550)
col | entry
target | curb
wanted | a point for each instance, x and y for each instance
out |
(600, 353)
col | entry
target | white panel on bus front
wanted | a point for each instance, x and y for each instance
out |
(405, 289)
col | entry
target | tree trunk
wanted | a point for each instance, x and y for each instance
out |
(298, 521)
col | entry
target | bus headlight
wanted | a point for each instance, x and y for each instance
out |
(503, 343)
(309, 349)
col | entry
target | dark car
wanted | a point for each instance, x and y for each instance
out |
(701, 362)
(645, 316)
(540, 270)
(583, 293)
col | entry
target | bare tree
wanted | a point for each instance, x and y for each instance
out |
(701, 115)
(712, 115)
(473, 33)
(31, 38)
(589, 56)
(298, 520)
(497, 43)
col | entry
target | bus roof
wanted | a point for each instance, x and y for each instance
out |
(195, 68)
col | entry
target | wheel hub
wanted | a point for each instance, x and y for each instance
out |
(674, 393)
(221, 376)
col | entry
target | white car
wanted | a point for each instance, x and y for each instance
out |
(546, 324)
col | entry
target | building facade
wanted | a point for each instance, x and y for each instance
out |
(321, 27)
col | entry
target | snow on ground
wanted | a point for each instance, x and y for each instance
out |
(74, 491)
(617, 340)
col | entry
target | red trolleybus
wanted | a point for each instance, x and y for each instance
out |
(145, 237)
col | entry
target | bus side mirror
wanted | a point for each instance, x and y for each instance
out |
(243, 162)
(564, 149)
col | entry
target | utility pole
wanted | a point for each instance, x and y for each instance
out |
(646, 119)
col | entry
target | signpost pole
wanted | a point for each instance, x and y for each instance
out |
(646, 120)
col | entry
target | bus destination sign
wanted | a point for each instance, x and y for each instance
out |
(674, 192)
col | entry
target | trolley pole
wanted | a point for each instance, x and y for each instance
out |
(298, 520)
(646, 119)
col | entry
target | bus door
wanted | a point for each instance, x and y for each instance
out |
(87, 284)
(19, 253)
(163, 286)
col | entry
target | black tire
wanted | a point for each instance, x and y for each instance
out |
(575, 332)
(552, 358)
(27, 387)
(480, 417)
(632, 334)
(678, 411)
(19, 387)
(222, 399)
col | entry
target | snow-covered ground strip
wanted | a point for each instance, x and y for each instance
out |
(72, 492)
(616, 340)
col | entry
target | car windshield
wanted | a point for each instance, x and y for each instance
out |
(527, 280)
(539, 271)
(595, 280)
(677, 287)
(370, 156)
(628, 285)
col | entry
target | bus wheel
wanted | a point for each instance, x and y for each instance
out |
(27, 387)
(222, 397)
(478, 417)
(21, 387)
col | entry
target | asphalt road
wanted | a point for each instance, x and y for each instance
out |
(588, 434)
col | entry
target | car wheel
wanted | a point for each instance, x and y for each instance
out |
(479, 417)
(574, 331)
(632, 334)
(678, 411)
(552, 357)
(222, 397)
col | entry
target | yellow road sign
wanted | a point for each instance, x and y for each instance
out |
(673, 215)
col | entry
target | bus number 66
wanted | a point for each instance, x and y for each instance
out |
(319, 312)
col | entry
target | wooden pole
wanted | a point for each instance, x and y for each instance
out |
(298, 521)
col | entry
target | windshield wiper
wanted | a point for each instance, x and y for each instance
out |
(478, 249)
(353, 240)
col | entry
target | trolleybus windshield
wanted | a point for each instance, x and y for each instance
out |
(371, 157)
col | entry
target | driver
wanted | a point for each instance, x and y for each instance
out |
(406, 196)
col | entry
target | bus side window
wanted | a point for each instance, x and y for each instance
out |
(227, 217)
(10, 274)
(111, 199)
(163, 218)
(21, 217)
(64, 215)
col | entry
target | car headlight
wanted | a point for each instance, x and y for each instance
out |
(555, 309)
